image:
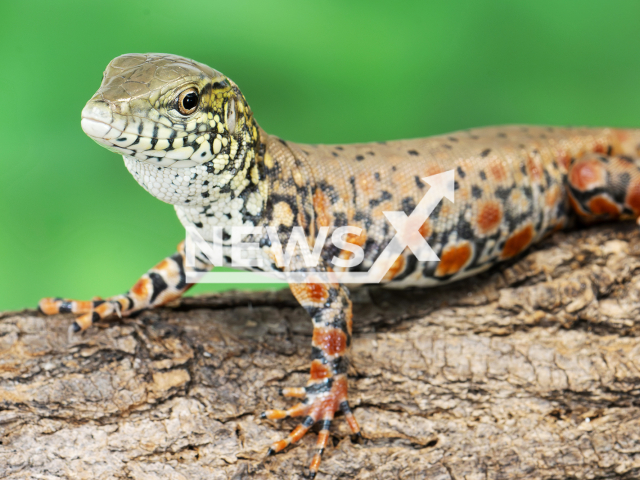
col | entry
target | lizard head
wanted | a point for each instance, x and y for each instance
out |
(168, 112)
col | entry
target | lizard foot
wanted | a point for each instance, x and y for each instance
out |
(321, 401)
(89, 311)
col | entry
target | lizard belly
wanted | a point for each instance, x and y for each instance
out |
(417, 279)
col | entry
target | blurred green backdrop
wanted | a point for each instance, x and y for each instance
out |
(74, 223)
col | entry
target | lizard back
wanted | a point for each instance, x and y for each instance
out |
(510, 191)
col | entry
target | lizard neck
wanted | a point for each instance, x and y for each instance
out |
(289, 183)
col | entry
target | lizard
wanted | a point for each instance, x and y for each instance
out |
(188, 136)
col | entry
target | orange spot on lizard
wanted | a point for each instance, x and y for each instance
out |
(534, 168)
(322, 207)
(633, 196)
(426, 230)
(395, 269)
(319, 370)
(331, 340)
(587, 175)
(141, 288)
(317, 293)
(453, 259)
(497, 170)
(552, 197)
(517, 242)
(601, 205)
(489, 216)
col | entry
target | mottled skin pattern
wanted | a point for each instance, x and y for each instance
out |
(513, 186)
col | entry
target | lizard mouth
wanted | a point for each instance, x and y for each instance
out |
(143, 139)
(99, 132)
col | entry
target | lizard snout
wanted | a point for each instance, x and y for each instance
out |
(100, 123)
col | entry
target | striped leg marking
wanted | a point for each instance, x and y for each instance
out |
(326, 390)
(162, 284)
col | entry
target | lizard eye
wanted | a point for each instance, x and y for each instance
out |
(188, 101)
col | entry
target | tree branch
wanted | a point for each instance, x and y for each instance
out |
(529, 371)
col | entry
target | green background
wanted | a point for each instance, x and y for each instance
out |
(74, 223)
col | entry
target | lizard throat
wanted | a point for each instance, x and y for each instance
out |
(229, 197)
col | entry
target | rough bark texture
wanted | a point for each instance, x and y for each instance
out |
(529, 371)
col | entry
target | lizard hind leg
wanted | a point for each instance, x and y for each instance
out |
(326, 391)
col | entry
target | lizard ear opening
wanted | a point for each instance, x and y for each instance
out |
(231, 115)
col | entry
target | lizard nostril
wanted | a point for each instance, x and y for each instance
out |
(115, 107)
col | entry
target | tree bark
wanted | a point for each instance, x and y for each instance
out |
(530, 371)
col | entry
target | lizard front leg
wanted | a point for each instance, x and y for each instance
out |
(326, 390)
(162, 284)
